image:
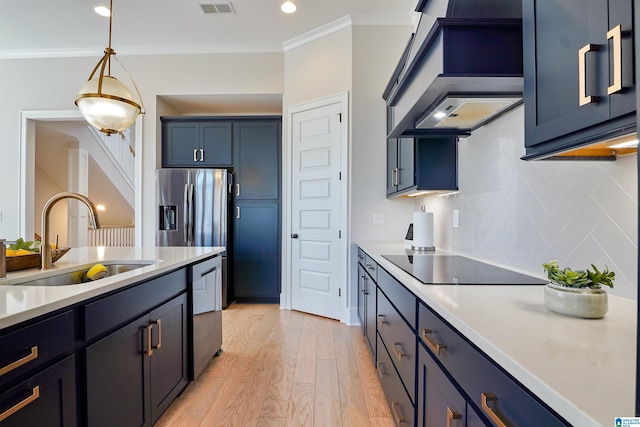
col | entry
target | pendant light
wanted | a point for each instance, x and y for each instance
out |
(106, 103)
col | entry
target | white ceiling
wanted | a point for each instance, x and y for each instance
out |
(47, 28)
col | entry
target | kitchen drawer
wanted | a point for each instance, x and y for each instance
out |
(403, 300)
(361, 257)
(402, 409)
(400, 341)
(485, 383)
(47, 399)
(118, 309)
(371, 267)
(34, 345)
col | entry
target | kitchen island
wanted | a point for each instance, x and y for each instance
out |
(584, 370)
(125, 341)
(20, 303)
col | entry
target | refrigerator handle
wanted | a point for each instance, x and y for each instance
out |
(191, 187)
(185, 215)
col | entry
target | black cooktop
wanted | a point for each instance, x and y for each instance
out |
(457, 270)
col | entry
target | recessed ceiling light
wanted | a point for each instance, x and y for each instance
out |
(100, 207)
(102, 11)
(288, 7)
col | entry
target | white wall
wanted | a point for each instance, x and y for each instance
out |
(376, 52)
(520, 214)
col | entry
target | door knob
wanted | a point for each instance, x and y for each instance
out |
(294, 236)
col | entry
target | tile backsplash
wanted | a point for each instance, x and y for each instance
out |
(520, 214)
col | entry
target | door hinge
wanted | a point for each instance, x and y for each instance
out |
(339, 176)
(339, 234)
(340, 117)
(339, 292)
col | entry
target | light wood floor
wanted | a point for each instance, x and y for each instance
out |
(284, 368)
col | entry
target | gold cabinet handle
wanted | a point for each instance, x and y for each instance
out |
(399, 353)
(452, 415)
(583, 99)
(237, 212)
(381, 321)
(201, 155)
(435, 347)
(237, 189)
(35, 393)
(491, 398)
(381, 371)
(397, 414)
(195, 155)
(615, 34)
(13, 365)
(159, 323)
(397, 181)
(149, 329)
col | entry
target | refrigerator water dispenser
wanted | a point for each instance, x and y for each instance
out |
(168, 217)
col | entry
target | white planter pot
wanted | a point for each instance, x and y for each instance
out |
(584, 303)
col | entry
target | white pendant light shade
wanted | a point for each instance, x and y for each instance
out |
(110, 110)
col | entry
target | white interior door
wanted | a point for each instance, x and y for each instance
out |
(316, 211)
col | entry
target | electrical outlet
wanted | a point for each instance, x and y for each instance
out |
(423, 208)
(456, 218)
(378, 218)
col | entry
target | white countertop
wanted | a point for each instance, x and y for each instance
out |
(19, 303)
(584, 369)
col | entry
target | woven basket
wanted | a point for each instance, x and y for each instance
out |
(22, 262)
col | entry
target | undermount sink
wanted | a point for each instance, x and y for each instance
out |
(76, 276)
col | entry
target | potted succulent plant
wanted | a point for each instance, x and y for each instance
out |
(577, 293)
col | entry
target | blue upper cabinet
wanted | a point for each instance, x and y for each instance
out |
(196, 142)
(578, 75)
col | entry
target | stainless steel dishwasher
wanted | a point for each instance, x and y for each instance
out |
(206, 303)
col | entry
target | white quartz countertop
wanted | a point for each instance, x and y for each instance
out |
(19, 303)
(582, 368)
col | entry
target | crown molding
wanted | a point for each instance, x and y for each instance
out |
(346, 22)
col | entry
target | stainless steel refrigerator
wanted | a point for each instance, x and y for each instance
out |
(193, 210)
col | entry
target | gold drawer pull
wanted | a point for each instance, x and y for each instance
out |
(492, 398)
(616, 34)
(28, 358)
(399, 353)
(35, 393)
(583, 98)
(435, 347)
(381, 372)
(381, 321)
(397, 414)
(159, 323)
(149, 329)
(452, 415)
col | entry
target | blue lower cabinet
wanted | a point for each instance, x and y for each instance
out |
(256, 251)
(500, 398)
(47, 399)
(402, 409)
(439, 402)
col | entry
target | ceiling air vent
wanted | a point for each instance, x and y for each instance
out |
(218, 8)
